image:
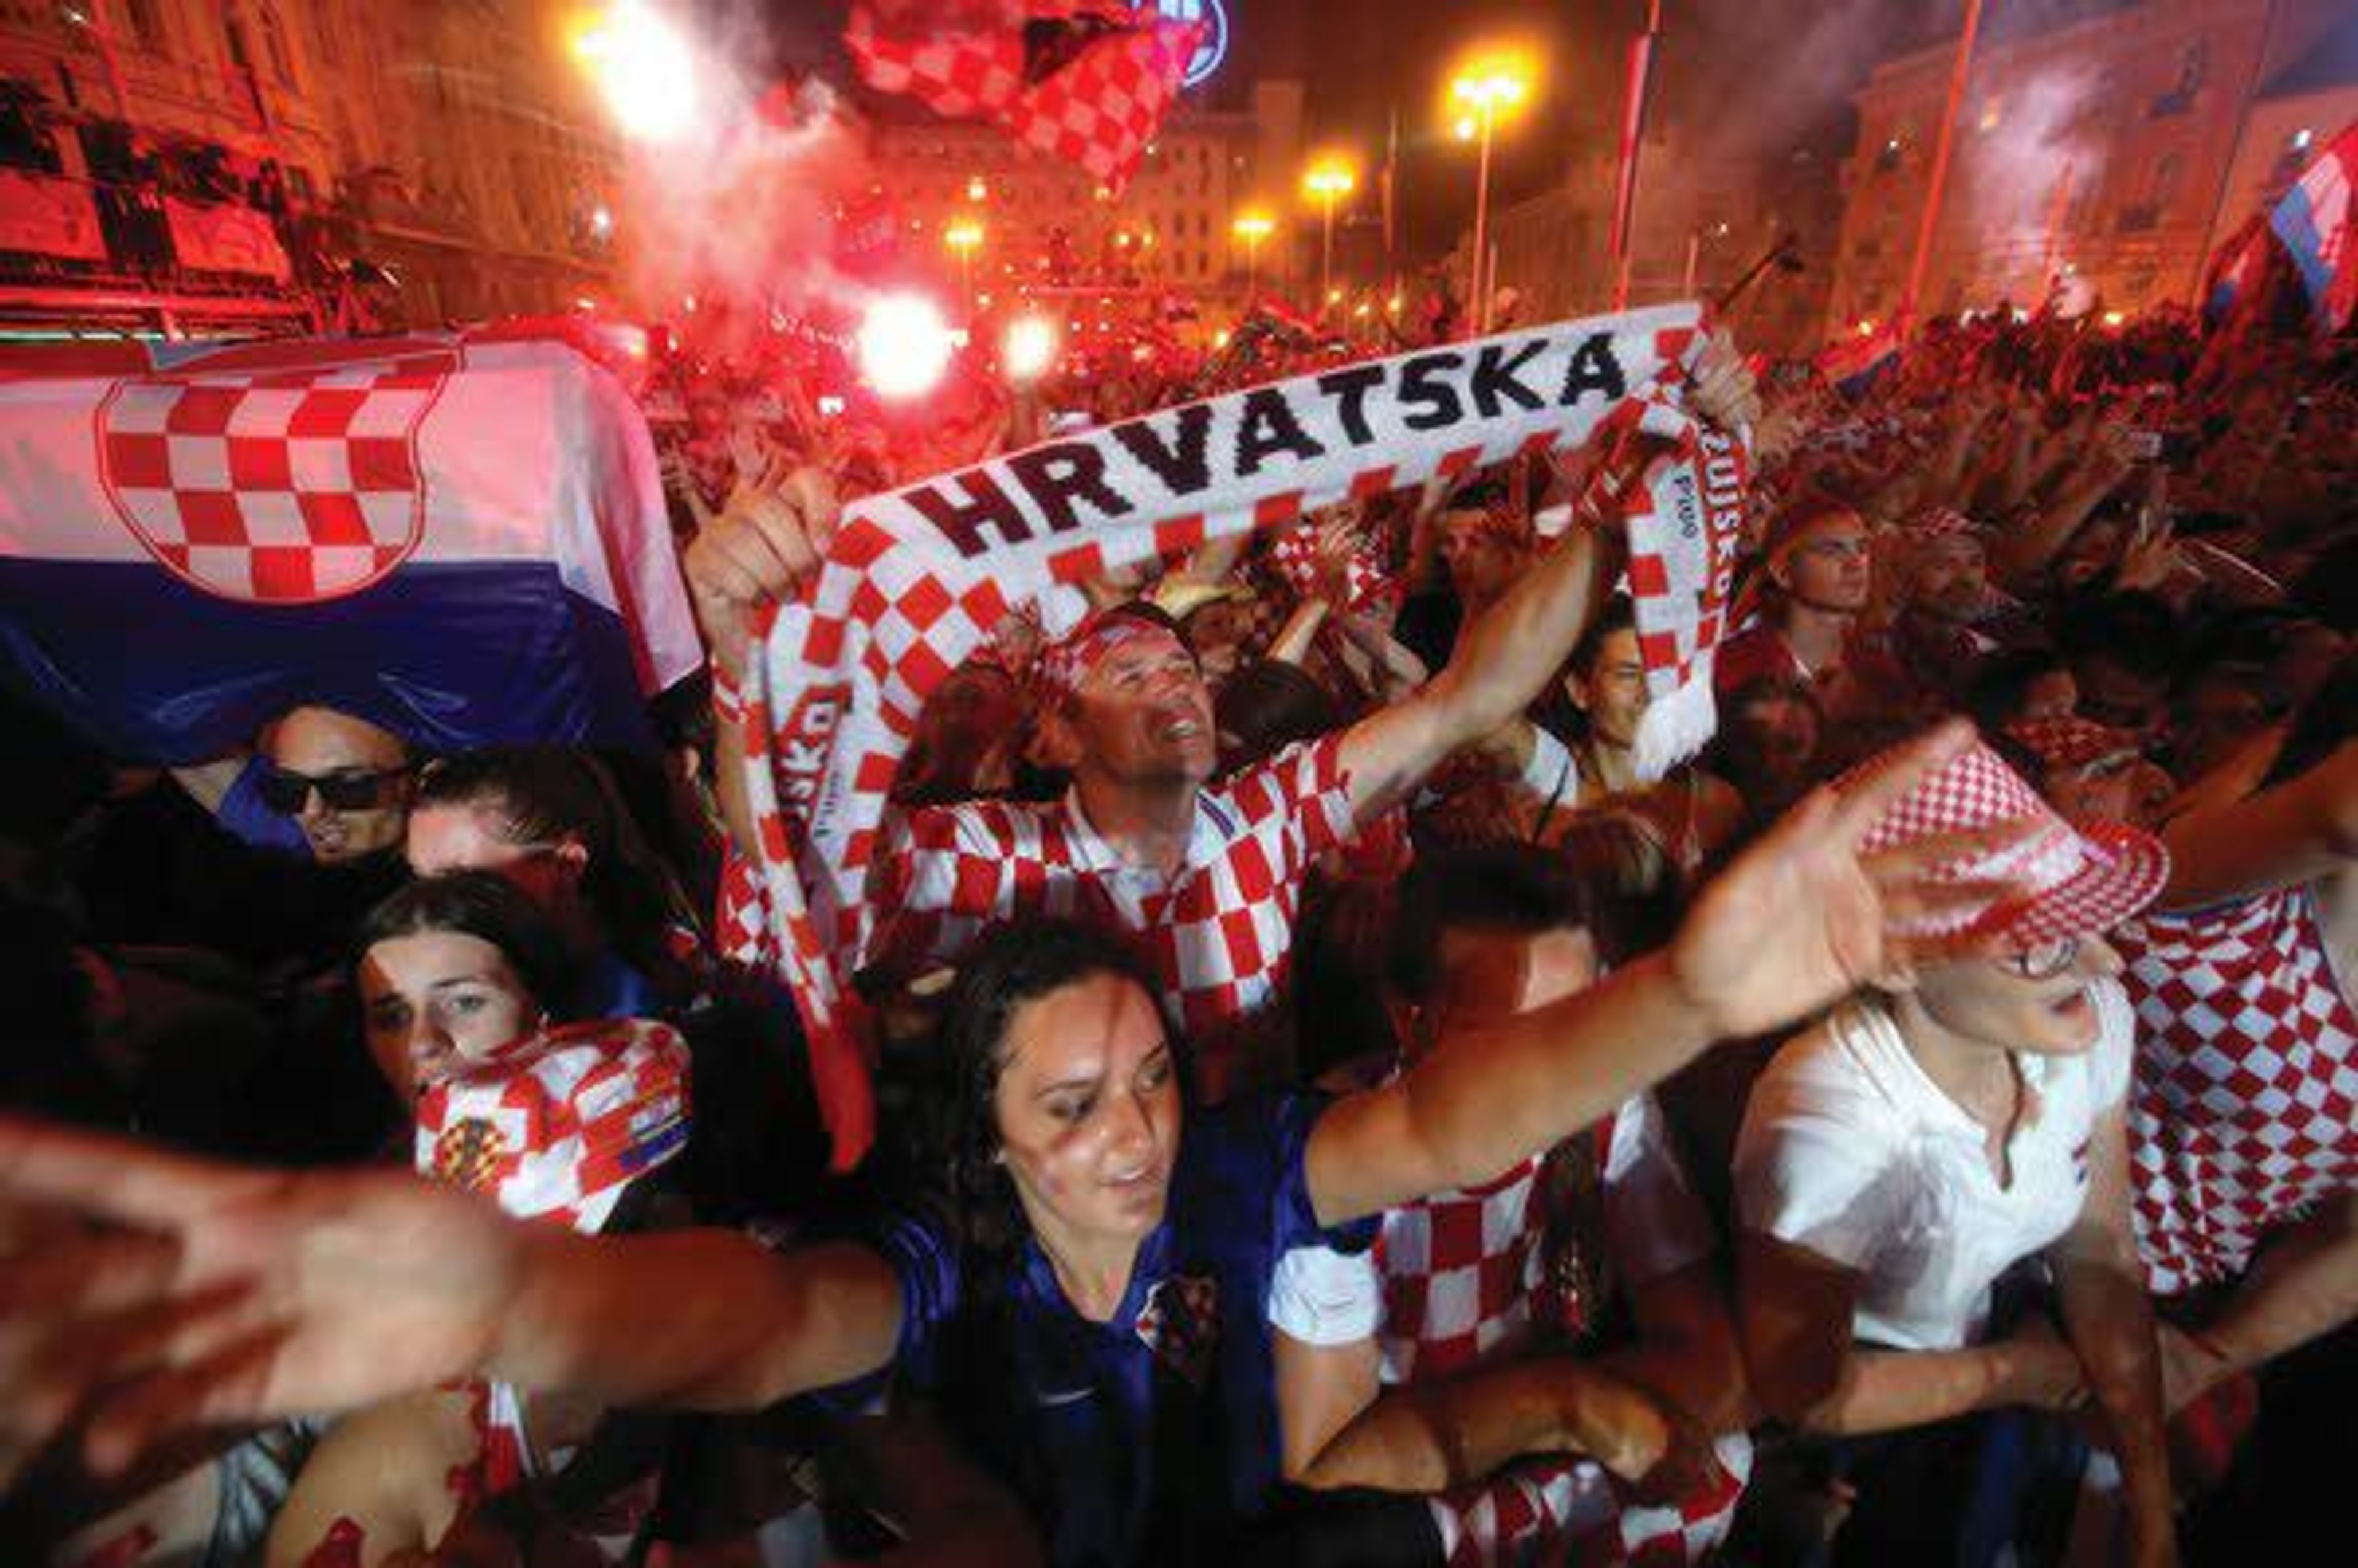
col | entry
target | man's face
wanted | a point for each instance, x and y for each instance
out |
(1994, 1002)
(1951, 579)
(1142, 715)
(1481, 558)
(334, 752)
(1830, 567)
(1612, 692)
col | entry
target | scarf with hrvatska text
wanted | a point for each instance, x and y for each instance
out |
(918, 578)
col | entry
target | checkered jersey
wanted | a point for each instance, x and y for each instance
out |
(1576, 1511)
(1219, 933)
(1461, 1269)
(2245, 1111)
(284, 487)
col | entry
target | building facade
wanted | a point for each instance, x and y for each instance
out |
(1025, 215)
(2101, 158)
(236, 156)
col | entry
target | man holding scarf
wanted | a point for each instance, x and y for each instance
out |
(1205, 878)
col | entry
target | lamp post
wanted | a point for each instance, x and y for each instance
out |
(1490, 85)
(1329, 179)
(963, 235)
(1252, 228)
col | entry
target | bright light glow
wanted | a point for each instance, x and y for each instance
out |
(2301, 138)
(905, 346)
(1220, 339)
(1393, 305)
(1494, 82)
(1362, 310)
(1866, 328)
(643, 68)
(962, 235)
(602, 221)
(1333, 296)
(1329, 177)
(1467, 128)
(830, 406)
(1030, 348)
(1253, 227)
(2113, 318)
(978, 189)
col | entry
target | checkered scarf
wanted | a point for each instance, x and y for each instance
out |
(916, 580)
(559, 1123)
(1677, 488)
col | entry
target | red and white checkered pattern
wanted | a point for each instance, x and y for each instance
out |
(2244, 1113)
(286, 487)
(895, 608)
(556, 1125)
(959, 73)
(1296, 555)
(1100, 111)
(1218, 934)
(2075, 882)
(1574, 1511)
(2067, 742)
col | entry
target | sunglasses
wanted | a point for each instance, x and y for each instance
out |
(348, 789)
(2043, 962)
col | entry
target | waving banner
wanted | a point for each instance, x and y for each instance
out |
(461, 538)
(917, 579)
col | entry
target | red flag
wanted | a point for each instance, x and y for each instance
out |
(1101, 109)
(1085, 81)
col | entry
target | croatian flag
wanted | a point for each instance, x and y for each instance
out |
(1854, 364)
(461, 538)
(2314, 221)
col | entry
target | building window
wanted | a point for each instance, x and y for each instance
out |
(2166, 171)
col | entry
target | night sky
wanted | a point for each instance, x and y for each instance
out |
(1757, 76)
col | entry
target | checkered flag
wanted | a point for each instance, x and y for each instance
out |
(1101, 109)
(1088, 84)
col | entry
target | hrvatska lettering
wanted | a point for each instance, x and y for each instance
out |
(1169, 462)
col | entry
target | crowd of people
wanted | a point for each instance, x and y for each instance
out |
(1336, 1106)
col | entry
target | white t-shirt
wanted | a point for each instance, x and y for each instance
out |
(1850, 1151)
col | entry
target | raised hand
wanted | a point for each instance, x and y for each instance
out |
(767, 542)
(1724, 391)
(145, 1295)
(1804, 918)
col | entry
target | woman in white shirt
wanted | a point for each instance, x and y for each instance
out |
(1927, 1137)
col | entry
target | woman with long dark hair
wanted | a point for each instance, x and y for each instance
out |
(1092, 1286)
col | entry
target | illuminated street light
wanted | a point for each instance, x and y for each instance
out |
(1252, 228)
(1490, 85)
(643, 67)
(964, 236)
(905, 346)
(978, 189)
(1029, 349)
(1329, 179)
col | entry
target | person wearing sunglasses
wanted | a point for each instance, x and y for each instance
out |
(1910, 1167)
(324, 784)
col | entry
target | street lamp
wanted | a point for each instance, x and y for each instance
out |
(1490, 85)
(644, 67)
(1252, 228)
(963, 236)
(1329, 179)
